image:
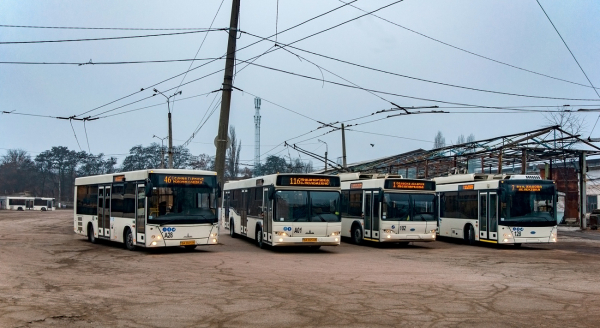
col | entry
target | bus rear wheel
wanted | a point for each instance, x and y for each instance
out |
(357, 235)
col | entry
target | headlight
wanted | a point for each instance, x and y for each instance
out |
(387, 231)
(280, 239)
(505, 240)
(335, 233)
(432, 231)
(281, 233)
(153, 243)
(214, 240)
(213, 234)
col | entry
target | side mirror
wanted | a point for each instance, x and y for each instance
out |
(148, 189)
(271, 192)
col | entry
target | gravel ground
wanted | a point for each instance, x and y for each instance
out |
(51, 277)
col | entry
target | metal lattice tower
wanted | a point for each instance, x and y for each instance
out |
(257, 132)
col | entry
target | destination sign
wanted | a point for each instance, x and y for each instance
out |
(308, 181)
(168, 180)
(466, 187)
(527, 188)
(409, 184)
(118, 178)
(356, 185)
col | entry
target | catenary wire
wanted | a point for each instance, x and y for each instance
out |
(237, 50)
(109, 38)
(469, 52)
(415, 78)
(106, 28)
(109, 63)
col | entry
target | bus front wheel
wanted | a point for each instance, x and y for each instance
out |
(259, 238)
(90, 234)
(470, 238)
(129, 240)
(357, 235)
(231, 229)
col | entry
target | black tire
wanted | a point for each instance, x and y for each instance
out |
(259, 238)
(43, 209)
(357, 235)
(19, 208)
(470, 237)
(231, 229)
(129, 240)
(90, 234)
(190, 247)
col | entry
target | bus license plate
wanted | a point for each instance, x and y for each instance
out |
(309, 240)
(187, 242)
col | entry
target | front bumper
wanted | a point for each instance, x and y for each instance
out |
(177, 242)
(299, 241)
(394, 238)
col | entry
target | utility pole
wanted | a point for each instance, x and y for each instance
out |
(326, 151)
(226, 97)
(343, 147)
(170, 125)
(162, 150)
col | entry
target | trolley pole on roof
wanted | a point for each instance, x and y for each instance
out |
(226, 97)
(326, 151)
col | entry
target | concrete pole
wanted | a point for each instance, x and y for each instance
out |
(226, 97)
(524, 161)
(582, 190)
(170, 141)
(343, 147)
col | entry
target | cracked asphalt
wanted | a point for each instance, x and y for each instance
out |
(51, 277)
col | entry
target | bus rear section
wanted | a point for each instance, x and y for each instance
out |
(499, 209)
(285, 210)
(388, 209)
(148, 208)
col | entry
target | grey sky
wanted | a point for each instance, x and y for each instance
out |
(516, 32)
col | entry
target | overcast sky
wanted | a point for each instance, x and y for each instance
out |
(515, 32)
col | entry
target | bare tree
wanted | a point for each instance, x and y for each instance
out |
(471, 138)
(461, 139)
(439, 140)
(232, 159)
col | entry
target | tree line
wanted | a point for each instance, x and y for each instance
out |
(52, 173)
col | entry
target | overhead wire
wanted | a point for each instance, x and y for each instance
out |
(75, 134)
(412, 77)
(109, 38)
(469, 52)
(200, 47)
(576, 61)
(105, 28)
(86, 137)
(223, 56)
(109, 63)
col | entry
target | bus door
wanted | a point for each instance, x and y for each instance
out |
(372, 214)
(244, 213)
(100, 217)
(105, 218)
(140, 214)
(29, 204)
(488, 215)
(267, 216)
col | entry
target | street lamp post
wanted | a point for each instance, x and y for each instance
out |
(170, 125)
(326, 151)
(162, 151)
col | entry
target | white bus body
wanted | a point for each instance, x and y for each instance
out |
(284, 209)
(27, 203)
(499, 209)
(383, 208)
(148, 208)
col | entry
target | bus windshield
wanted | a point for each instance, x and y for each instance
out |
(408, 207)
(182, 204)
(307, 206)
(528, 205)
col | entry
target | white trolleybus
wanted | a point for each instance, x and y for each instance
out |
(27, 203)
(284, 209)
(148, 208)
(386, 208)
(499, 209)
